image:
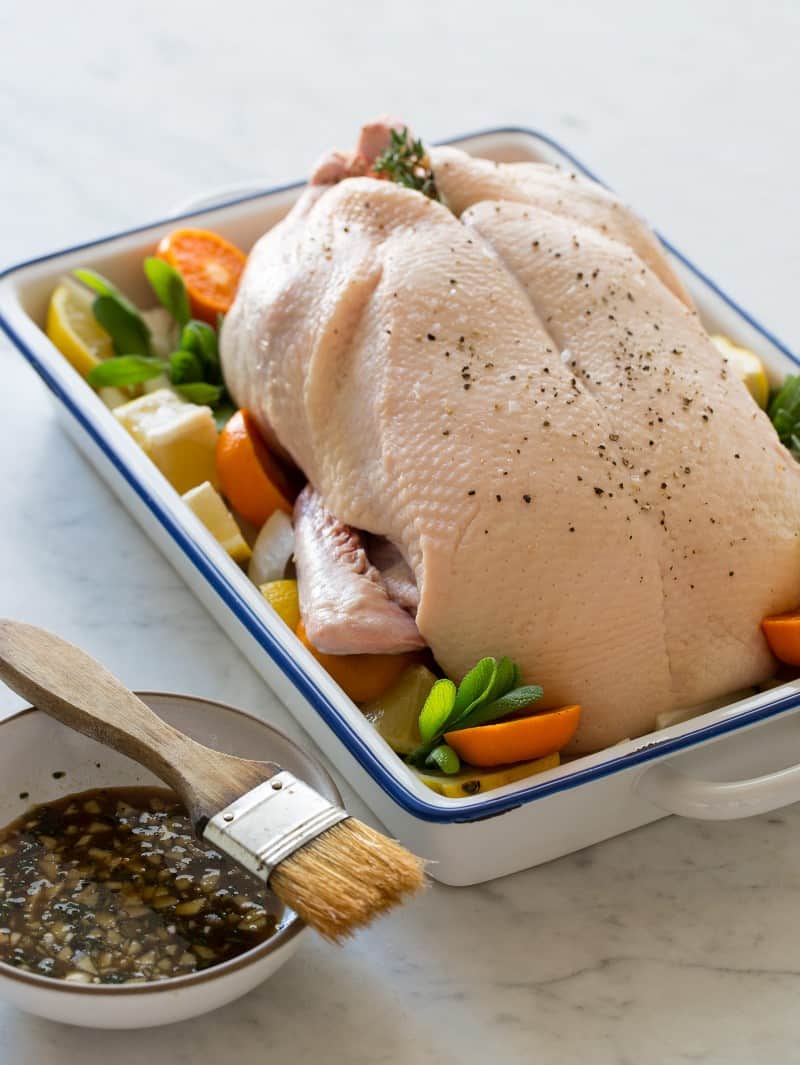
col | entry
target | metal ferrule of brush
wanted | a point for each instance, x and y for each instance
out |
(262, 828)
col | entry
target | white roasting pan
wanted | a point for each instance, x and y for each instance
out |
(738, 760)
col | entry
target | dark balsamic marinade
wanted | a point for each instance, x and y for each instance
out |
(112, 887)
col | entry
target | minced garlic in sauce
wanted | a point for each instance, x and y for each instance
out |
(112, 887)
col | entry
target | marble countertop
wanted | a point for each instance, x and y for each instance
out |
(675, 943)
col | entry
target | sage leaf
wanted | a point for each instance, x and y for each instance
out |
(445, 758)
(97, 283)
(125, 370)
(169, 288)
(436, 710)
(474, 690)
(128, 330)
(505, 678)
(507, 704)
(130, 334)
(199, 338)
(420, 754)
(184, 368)
(200, 392)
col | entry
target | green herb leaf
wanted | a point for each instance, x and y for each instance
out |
(125, 370)
(436, 710)
(784, 413)
(97, 283)
(406, 162)
(184, 368)
(129, 333)
(419, 755)
(169, 288)
(506, 677)
(117, 315)
(475, 688)
(507, 704)
(488, 692)
(445, 758)
(200, 392)
(199, 338)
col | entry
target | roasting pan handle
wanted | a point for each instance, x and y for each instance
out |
(711, 800)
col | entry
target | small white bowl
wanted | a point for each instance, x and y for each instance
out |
(42, 760)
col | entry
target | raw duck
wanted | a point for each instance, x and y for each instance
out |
(521, 401)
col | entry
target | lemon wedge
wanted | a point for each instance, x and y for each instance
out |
(282, 597)
(180, 437)
(395, 713)
(747, 366)
(72, 327)
(206, 502)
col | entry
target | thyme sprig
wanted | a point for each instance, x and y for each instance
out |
(406, 162)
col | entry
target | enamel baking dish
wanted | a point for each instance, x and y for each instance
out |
(735, 761)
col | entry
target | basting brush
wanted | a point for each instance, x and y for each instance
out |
(335, 872)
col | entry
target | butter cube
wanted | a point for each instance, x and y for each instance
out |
(180, 437)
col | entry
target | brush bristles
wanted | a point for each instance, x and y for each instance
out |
(345, 877)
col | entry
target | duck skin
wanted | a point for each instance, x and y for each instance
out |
(513, 394)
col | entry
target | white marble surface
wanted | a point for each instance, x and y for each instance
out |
(676, 943)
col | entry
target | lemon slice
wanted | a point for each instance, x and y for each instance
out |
(477, 781)
(282, 597)
(72, 328)
(747, 366)
(206, 503)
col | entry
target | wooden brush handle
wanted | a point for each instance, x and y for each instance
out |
(69, 685)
